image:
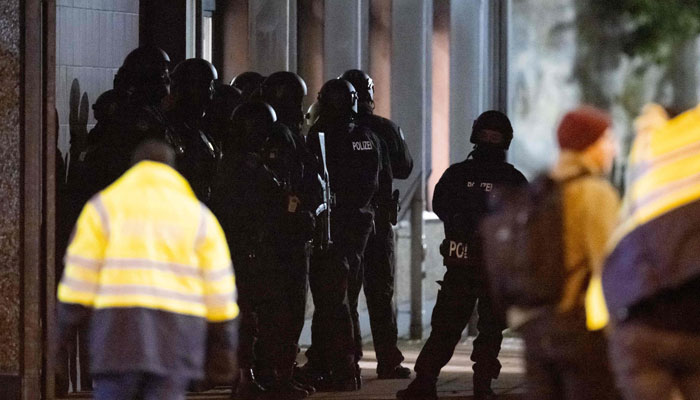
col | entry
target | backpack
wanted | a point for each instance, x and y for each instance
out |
(523, 245)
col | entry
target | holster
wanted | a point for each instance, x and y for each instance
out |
(389, 209)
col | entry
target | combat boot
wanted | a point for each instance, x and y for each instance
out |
(282, 387)
(248, 387)
(394, 372)
(422, 388)
(309, 375)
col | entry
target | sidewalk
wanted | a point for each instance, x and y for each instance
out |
(455, 379)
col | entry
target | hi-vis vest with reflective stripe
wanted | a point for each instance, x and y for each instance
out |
(146, 241)
(657, 244)
(664, 172)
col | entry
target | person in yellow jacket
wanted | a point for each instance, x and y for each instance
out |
(149, 268)
(564, 359)
(651, 278)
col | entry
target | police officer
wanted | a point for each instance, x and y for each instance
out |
(126, 115)
(250, 200)
(460, 200)
(379, 265)
(352, 160)
(248, 83)
(288, 156)
(217, 118)
(192, 92)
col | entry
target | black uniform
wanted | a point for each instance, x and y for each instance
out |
(460, 200)
(248, 201)
(286, 158)
(196, 151)
(353, 162)
(378, 266)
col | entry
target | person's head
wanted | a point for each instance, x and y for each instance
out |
(337, 100)
(154, 150)
(364, 85)
(251, 126)
(491, 135)
(193, 85)
(285, 92)
(145, 71)
(588, 131)
(248, 83)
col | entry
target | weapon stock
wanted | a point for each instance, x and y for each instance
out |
(326, 205)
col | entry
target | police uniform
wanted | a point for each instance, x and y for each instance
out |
(460, 200)
(285, 157)
(379, 265)
(353, 162)
(247, 201)
(197, 154)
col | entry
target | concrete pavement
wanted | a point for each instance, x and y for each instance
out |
(455, 379)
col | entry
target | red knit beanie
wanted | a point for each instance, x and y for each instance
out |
(581, 128)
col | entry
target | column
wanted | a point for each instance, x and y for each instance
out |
(410, 107)
(272, 35)
(467, 51)
(346, 36)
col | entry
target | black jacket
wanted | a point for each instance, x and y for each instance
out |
(461, 197)
(353, 161)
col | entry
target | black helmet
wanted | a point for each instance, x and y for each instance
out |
(492, 129)
(337, 98)
(285, 92)
(106, 106)
(145, 56)
(194, 69)
(193, 85)
(226, 98)
(145, 70)
(362, 82)
(284, 87)
(247, 82)
(251, 124)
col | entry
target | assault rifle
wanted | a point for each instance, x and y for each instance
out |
(325, 207)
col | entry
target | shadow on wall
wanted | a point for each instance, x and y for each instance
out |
(79, 107)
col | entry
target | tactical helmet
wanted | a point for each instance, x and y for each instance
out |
(106, 106)
(247, 82)
(226, 98)
(145, 70)
(251, 124)
(362, 82)
(492, 129)
(284, 87)
(337, 98)
(194, 69)
(311, 115)
(193, 83)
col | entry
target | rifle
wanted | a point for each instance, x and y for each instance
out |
(325, 239)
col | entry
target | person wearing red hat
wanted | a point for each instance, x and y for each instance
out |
(564, 359)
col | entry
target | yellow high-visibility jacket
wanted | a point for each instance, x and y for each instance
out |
(657, 246)
(150, 265)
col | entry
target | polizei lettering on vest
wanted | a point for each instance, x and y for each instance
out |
(364, 145)
(458, 249)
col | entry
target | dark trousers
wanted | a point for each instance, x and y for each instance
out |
(335, 278)
(271, 298)
(294, 276)
(652, 363)
(378, 281)
(459, 293)
(565, 361)
(139, 386)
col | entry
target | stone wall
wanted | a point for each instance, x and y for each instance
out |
(92, 39)
(9, 185)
